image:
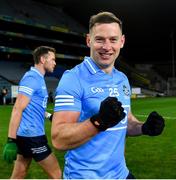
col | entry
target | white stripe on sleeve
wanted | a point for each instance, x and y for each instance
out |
(26, 90)
(64, 100)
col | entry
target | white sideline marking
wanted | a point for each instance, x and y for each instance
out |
(166, 117)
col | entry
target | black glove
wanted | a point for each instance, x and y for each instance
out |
(111, 113)
(154, 124)
(10, 150)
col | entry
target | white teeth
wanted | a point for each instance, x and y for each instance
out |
(105, 55)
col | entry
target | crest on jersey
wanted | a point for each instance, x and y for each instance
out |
(126, 90)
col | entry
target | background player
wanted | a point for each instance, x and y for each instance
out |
(26, 134)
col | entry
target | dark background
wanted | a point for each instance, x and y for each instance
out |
(149, 27)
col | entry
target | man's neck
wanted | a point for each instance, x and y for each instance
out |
(40, 68)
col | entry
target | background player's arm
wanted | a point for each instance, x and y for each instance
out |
(11, 149)
(20, 104)
(134, 126)
(67, 133)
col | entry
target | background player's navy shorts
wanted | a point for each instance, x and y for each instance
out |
(35, 147)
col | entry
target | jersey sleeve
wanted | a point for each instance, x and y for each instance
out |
(27, 86)
(68, 93)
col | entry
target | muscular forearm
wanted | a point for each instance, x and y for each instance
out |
(72, 135)
(136, 130)
(134, 126)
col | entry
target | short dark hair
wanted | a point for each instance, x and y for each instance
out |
(104, 17)
(41, 51)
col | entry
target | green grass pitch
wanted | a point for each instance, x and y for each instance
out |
(146, 157)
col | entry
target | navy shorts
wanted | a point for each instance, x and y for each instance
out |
(33, 147)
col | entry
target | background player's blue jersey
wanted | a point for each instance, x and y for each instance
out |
(82, 89)
(32, 122)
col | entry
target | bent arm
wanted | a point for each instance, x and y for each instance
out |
(67, 133)
(134, 126)
(20, 104)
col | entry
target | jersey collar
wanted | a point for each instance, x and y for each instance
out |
(91, 65)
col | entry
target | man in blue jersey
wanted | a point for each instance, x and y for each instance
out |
(26, 135)
(92, 108)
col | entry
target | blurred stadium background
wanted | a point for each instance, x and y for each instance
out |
(148, 59)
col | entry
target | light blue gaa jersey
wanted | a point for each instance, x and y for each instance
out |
(82, 89)
(32, 122)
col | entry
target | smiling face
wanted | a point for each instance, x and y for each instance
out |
(105, 41)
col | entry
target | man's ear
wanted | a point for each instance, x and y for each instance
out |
(42, 59)
(122, 41)
(88, 40)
